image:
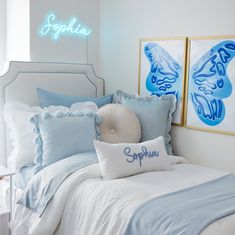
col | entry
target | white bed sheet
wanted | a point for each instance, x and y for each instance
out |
(87, 205)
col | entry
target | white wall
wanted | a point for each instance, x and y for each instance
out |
(2, 35)
(67, 49)
(17, 30)
(124, 22)
(25, 17)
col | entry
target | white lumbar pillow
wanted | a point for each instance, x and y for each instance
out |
(119, 124)
(120, 160)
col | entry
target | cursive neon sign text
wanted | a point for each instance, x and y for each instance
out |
(56, 29)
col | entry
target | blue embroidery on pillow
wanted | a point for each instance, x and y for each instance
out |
(145, 153)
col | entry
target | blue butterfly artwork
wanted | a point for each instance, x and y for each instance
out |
(209, 82)
(165, 76)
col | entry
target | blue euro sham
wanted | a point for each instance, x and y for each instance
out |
(62, 134)
(185, 212)
(42, 188)
(47, 98)
(154, 113)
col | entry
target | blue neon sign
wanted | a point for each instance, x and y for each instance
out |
(56, 29)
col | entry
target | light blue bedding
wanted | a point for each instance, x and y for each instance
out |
(185, 212)
(22, 177)
(42, 187)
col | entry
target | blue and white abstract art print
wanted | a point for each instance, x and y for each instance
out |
(161, 70)
(211, 81)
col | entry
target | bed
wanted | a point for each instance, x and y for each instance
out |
(83, 202)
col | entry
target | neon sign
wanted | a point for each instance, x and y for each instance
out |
(56, 29)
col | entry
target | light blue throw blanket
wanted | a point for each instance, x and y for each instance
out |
(44, 185)
(185, 212)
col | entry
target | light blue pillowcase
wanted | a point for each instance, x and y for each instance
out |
(154, 113)
(47, 98)
(59, 135)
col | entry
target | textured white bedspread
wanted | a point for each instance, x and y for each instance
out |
(87, 205)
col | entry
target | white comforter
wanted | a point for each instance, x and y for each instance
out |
(87, 205)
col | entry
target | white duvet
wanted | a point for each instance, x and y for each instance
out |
(85, 204)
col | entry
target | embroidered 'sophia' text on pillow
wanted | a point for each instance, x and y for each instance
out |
(120, 160)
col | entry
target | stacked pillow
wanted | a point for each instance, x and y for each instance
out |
(70, 128)
(21, 131)
(123, 156)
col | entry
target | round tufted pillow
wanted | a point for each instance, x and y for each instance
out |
(119, 124)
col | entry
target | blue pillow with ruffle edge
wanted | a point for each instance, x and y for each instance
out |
(154, 113)
(59, 135)
(47, 98)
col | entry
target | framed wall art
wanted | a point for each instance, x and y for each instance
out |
(210, 86)
(162, 70)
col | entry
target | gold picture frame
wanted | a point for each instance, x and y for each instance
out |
(210, 84)
(162, 70)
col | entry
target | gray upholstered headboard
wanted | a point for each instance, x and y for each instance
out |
(22, 79)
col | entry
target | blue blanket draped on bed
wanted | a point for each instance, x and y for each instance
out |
(185, 212)
(45, 184)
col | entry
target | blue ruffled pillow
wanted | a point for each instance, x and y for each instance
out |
(154, 113)
(47, 98)
(62, 134)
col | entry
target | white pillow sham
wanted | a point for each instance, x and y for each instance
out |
(121, 160)
(21, 132)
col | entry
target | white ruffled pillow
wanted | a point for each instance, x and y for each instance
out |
(21, 131)
(121, 160)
